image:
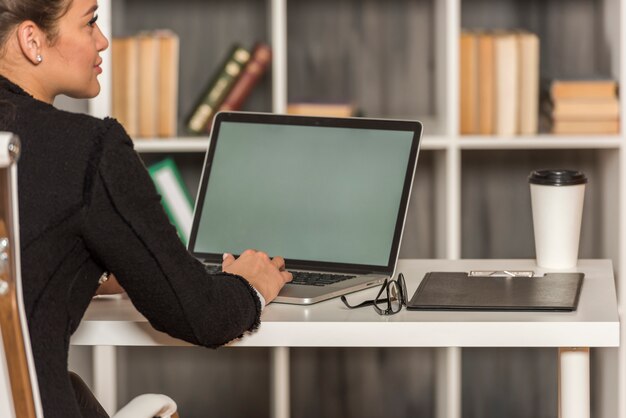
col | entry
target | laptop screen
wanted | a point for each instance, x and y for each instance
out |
(314, 193)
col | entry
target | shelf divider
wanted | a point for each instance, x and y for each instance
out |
(278, 29)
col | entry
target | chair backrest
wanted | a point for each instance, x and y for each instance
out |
(19, 392)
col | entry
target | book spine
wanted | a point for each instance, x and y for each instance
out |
(486, 85)
(253, 71)
(578, 127)
(175, 198)
(125, 80)
(169, 46)
(591, 109)
(581, 89)
(528, 50)
(148, 85)
(468, 80)
(220, 85)
(506, 82)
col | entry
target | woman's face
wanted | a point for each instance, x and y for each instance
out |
(73, 60)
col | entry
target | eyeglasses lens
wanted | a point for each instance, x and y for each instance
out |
(404, 293)
(395, 299)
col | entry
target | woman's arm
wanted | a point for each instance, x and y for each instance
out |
(128, 232)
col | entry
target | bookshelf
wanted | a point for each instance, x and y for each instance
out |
(399, 59)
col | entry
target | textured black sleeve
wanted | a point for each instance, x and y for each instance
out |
(127, 230)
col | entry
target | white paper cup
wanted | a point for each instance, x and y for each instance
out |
(557, 206)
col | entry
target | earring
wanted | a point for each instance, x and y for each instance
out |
(39, 58)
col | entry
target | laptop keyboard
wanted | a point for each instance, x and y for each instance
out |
(318, 279)
(301, 277)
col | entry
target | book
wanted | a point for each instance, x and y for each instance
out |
(175, 197)
(499, 82)
(340, 110)
(506, 83)
(125, 79)
(528, 88)
(260, 58)
(583, 109)
(148, 91)
(576, 127)
(486, 84)
(218, 88)
(145, 83)
(167, 115)
(468, 82)
(583, 89)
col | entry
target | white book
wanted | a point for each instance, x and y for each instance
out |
(506, 76)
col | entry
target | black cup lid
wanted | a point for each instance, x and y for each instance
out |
(557, 177)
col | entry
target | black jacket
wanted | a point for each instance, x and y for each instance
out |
(88, 205)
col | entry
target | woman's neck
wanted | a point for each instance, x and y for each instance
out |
(28, 82)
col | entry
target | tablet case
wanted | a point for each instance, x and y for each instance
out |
(458, 291)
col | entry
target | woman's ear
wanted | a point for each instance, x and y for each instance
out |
(31, 40)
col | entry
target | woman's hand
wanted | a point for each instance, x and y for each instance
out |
(267, 275)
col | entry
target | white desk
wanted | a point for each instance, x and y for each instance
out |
(330, 324)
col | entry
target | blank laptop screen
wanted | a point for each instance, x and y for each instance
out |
(328, 194)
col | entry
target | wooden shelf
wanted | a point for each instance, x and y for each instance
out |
(179, 145)
(200, 144)
(542, 141)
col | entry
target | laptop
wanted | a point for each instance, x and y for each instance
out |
(330, 195)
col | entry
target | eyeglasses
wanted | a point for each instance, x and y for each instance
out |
(392, 304)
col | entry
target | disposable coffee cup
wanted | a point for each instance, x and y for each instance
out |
(557, 206)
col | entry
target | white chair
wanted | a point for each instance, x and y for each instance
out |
(19, 391)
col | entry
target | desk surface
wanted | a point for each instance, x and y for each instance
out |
(331, 324)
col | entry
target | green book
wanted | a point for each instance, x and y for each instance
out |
(217, 90)
(174, 196)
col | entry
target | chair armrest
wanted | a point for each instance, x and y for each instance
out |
(148, 406)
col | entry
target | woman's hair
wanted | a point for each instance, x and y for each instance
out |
(45, 13)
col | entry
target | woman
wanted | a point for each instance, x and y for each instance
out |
(88, 208)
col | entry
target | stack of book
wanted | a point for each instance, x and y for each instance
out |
(499, 82)
(583, 106)
(341, 110)
(145, 83)
(230, 86)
